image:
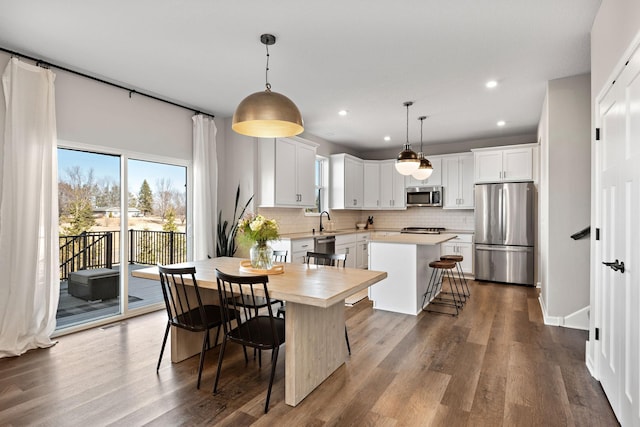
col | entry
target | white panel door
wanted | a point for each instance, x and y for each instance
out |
(618, 210)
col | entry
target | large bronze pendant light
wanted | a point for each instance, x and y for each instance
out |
(267, 114)
(407, 161)
(425, 169)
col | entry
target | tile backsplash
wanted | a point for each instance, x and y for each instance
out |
(455, 219)
(295, 221)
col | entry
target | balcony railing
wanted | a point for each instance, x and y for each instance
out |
(102, 249)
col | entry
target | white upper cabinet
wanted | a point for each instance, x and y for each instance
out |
(392, 186)
(347, 182)
(287, 168)
(371, 198)
(458, 181)
(505, 164)
(434, 179)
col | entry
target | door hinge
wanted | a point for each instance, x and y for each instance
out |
(597, 234)
(597, 334)
(597, 134)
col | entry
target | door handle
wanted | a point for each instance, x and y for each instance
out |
(615, 266)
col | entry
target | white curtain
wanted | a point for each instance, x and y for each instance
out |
(205, 185)
(30, 284)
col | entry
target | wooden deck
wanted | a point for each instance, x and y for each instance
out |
(144, 292)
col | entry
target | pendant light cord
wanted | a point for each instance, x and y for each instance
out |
(408, 105)
(266, 71)
(421, 118)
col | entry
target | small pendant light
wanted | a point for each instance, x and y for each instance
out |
(407, 161)
(267, 114)
(425, 169)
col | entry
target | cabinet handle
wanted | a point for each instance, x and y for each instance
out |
(377, 202)
(304, 246)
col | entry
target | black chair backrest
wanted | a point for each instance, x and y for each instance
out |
(280, 256)
(252, 329)
(182, 300)
(336, 260)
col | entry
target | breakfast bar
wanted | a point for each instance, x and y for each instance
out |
(315, 294)
(405, 258)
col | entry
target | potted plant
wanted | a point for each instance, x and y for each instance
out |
(226, 241)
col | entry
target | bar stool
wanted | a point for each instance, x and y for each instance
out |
(440, 270)
(463, 280)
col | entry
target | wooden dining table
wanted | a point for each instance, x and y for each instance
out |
(314, 341)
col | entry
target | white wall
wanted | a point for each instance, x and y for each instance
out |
(89, 112)
(565, 186)
(615, 28)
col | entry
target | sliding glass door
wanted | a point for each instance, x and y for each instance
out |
(157, 223)
(106, 232)
(89, 210)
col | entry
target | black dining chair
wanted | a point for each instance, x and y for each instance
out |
(334, 260)
(261, 332)
(280, 256)
(185, 309)
(260, 302)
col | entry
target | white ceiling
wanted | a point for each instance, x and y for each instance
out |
(365, 56)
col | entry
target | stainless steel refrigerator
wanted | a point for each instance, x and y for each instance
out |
(504, 235)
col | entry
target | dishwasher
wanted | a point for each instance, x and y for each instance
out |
(324, 244)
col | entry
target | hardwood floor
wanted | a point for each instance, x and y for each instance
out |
(496, 364)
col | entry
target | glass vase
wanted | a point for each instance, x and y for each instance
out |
(261, 256)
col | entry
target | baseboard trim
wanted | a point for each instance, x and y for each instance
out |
(576, 320)
(548, 320)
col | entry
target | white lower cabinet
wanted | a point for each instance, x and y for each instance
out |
(296, 249)
(362, 250)
(461, 245)
(346, 244)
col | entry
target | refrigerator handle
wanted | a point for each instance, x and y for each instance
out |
(501, 213)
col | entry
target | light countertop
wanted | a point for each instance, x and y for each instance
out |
(414, 239)
(309, 234)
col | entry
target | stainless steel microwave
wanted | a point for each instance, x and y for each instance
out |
(424, 196)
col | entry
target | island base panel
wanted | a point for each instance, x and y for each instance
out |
(315, 347)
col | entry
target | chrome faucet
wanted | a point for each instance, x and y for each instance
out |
(328, 217)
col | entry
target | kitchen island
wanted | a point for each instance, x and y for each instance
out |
(405, 258)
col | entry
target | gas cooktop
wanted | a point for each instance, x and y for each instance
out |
(422, 230)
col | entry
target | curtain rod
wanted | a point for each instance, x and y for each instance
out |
(46, 64)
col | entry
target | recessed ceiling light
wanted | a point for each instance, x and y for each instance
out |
(387, 138)
(491, 84)
(501, 123)
(343, 112)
